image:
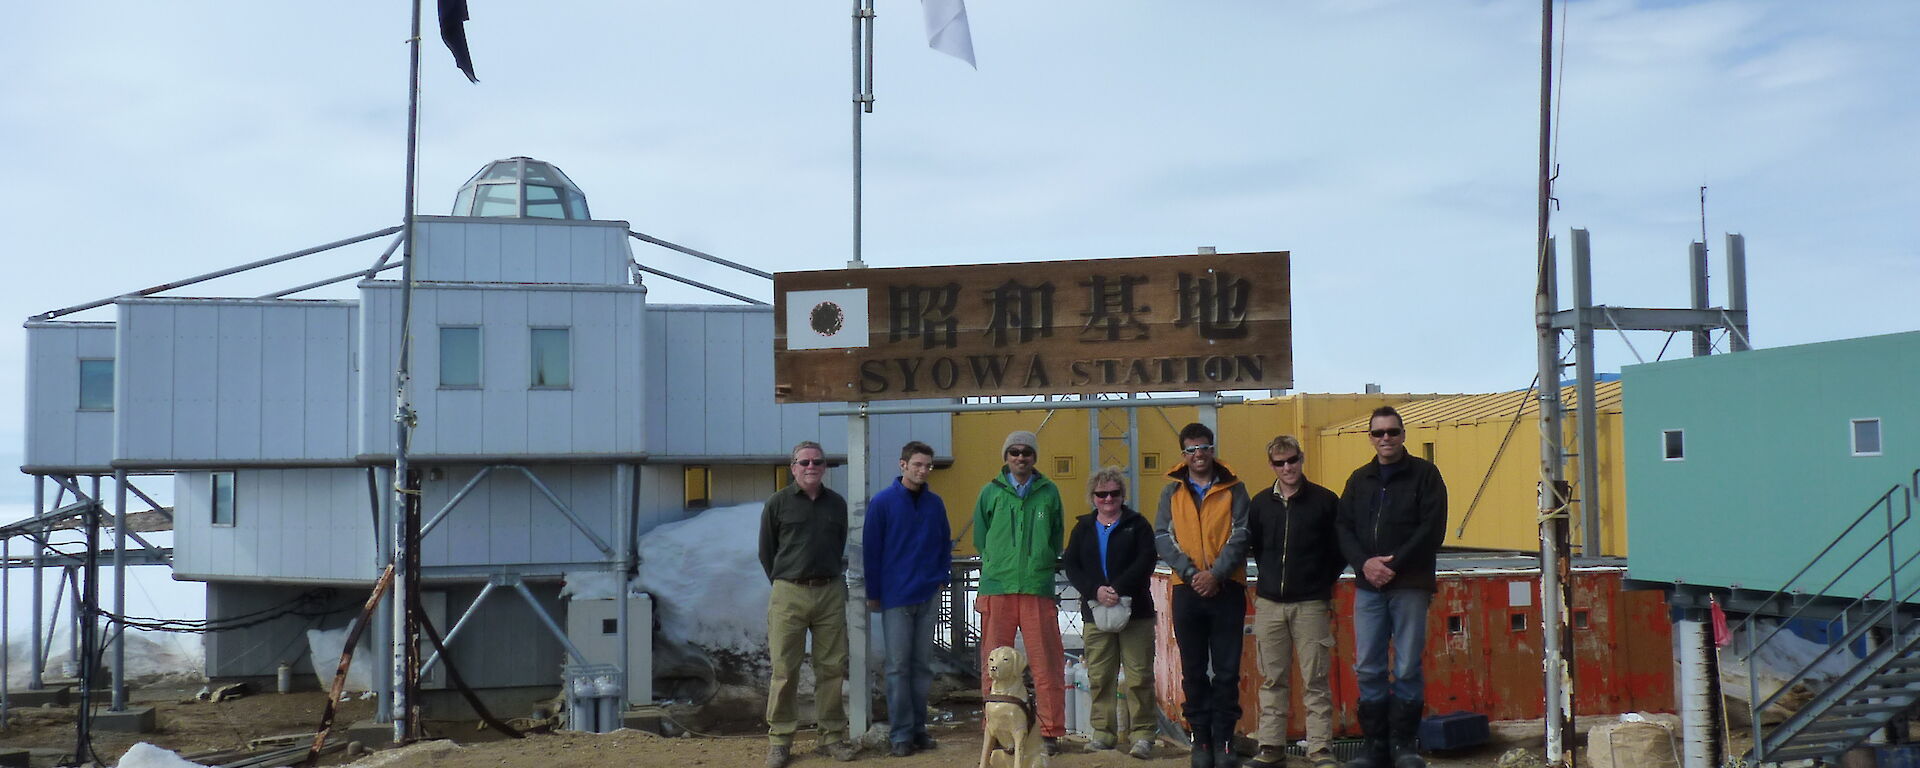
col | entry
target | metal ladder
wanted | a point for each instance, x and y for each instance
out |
(1874, 689)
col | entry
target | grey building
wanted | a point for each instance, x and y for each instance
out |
(560, 416)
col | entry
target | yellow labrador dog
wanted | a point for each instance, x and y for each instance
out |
(1012, 739)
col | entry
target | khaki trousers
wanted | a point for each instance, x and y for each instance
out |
(1131, 649)
(1283, 632)
(792, 612)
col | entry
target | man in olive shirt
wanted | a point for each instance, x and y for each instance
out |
(803, 542)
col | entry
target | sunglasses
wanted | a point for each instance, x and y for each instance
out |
(1021, 452)
(1294, 459)
(1193, 449)
(1108, 494)
(1388, 432)
(809, 462)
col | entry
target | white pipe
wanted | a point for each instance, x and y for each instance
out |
(1697, 726)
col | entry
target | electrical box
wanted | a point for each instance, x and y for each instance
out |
(594, 628)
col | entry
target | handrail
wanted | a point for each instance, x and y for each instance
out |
(1887, 537)
(1854, 633)
(1889, 610)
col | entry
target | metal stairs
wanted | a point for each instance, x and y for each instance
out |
(1874, 689)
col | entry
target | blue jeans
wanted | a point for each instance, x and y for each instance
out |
(1396, 618)
(909, 633)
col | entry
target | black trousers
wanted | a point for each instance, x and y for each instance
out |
(1209, 632)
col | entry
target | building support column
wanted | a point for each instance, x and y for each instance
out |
(35, 665)
(119, 591)
(1588, 413)
(859, 676)
(382, 625)
(1698, 726)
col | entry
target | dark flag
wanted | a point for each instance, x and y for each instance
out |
(453, 31)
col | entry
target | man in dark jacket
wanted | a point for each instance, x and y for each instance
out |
(1393, 516)
(803, 542)
(1290, 528)
(907, 547)
(1109, 560)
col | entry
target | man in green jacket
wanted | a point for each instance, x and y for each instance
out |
(1017, 528)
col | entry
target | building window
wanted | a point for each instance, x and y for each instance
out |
(96, 385)
(1150, 461)
(459, 356)
(1426, 451)
(1673, 444)
(1866, 437)
(1517, 622)
(1456, 624)
(552, 358)
(699, 486)
(222, 497)
(1063, 466)
(1582, 620)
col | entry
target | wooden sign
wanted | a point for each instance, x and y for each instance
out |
(1204, 323)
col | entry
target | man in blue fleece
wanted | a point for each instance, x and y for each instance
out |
(908, 550)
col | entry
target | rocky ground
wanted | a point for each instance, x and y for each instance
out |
(188, 726)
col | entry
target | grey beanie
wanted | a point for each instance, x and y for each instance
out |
(1020, 437)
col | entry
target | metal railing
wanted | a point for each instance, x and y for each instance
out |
(953, 629)
(1894, 509)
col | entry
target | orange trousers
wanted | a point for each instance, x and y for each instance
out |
(1037, 619)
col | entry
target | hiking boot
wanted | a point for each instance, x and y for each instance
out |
(1404, 716)
(1201, 756)
(778, 755)
(1142, 749)
(923, 742)
(902, 749)
(1225, 756)
(1374, 726)
(1099, 743)
(1050, 746)
(1269, 757)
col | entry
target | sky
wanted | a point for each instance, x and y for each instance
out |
(1389, 145)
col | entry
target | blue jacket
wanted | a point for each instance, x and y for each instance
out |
(907, 547)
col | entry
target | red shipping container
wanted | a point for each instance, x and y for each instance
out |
(1483, 649)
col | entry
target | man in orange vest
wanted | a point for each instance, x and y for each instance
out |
(1200, 530)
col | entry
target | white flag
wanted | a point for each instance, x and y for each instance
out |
(947, 29)
(831, 319)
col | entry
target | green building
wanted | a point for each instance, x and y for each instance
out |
(1741, 468)
(1780, 484)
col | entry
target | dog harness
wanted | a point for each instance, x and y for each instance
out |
(1017, 701)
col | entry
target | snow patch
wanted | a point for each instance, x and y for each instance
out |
(593, 585)
(705, 577)
(144, 755)
(149, 655)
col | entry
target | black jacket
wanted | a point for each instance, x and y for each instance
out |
(1406, 518)
(1294, 543)
(1129, 559)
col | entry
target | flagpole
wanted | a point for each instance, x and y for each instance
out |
(406, 495)
(862, 103)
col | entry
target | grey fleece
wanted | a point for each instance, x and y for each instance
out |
(1232, 553)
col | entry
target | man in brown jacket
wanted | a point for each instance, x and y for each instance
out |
(1200, 530)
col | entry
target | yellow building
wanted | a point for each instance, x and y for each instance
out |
(1463, 434)
(1491, 462)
